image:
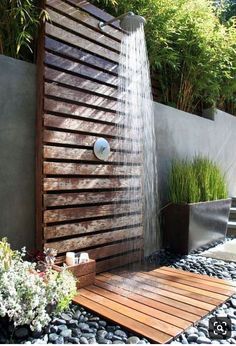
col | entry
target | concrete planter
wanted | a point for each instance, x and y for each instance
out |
(189, 226)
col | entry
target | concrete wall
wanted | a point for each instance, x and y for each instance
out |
(180, 134)
(17, 151)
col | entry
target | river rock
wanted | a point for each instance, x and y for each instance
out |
(203, 340)
(53, 337)
(133, 340)
(120, 333)
(192, 337)
(83, 340)
(22, 333)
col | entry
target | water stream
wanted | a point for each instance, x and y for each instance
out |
(137, 134)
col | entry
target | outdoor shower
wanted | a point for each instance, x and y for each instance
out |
(128, 21)
(135, 144)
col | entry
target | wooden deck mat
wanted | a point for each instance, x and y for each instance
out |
(159, 304)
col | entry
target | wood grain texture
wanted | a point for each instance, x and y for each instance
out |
(58, 215)
(68, 79)
(125, 321)
(206, 277)
(87, 45)
(94, 240)
(66, 93)
(58, 184)
(87, 126)
(60, 168)
(84, 18)
(89, 226)
(145, 291)
(142, 304)
(82, 203)
(73, 22)
(63, 199)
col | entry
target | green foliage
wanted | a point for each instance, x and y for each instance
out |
(19, 22)
(192, 53)
(197, 180)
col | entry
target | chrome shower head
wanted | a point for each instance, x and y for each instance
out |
(129, 22)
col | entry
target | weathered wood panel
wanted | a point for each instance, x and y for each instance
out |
(81, 201)
(84, 227)
(63, 199)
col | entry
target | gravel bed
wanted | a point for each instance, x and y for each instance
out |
(78, 326)
(75, 326)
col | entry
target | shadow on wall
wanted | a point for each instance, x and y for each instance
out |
(17, 151)
(181, 134)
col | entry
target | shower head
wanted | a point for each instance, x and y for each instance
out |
(129, 22)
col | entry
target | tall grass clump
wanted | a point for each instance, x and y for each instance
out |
(197, 180)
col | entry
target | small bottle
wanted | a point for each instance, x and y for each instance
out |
(70, 258)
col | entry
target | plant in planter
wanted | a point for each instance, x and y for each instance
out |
(27, 295)
(199, 208)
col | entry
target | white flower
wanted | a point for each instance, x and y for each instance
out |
(25, 295)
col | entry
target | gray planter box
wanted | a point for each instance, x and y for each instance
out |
(190, 226)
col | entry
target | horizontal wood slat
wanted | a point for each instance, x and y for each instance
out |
(79, 55)
(200, 295)
(86, 19)
(78, 27)
(164, 291)
(83, 169)
(69, 109)
(206, 277)
(65, 123)
(146, 291)
(116, 249)
(57, 215)
(99, 14)
(147, 304)
(63, 153)
(173, 312)
(83, 201)
(81, 69)
(94, 240)
(58, 184)
(77, 41)
(78, 228)
(193, 285)
(83, 83)
(169, 321)
(123, 320)
(139, 316)
(51, 89)
(194, 280)
(52, 200)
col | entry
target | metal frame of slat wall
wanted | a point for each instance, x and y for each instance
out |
(81, 203)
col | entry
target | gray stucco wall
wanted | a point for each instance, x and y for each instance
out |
(181, 134)
(17, 151)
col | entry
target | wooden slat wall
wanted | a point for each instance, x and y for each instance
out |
(81, 201)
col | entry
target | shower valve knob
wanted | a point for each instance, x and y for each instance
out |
(101, 149)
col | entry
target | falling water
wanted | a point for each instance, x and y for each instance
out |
(137, 134)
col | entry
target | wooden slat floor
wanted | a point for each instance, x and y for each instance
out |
(158, 304)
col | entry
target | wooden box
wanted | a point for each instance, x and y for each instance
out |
(85, 272)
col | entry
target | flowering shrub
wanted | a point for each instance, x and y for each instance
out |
(26, 295)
